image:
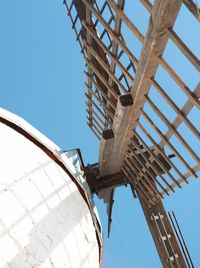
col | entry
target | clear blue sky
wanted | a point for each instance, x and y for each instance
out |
(42, 80)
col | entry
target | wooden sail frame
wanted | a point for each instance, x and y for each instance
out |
(114, 71)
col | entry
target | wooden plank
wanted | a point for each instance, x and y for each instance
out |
(186, 175)
(97, 116)
(126, 20)
(193, 98)
(101, 77)
(108, 52)
(193, 7)
(106, 145)
(102, 93)
(110, 181)
(147, 4)
(97, 108)
(101, 103)
(179, 112)
(117, 30)
(173, 129)
(135, 181)
(107, 69)
(96, 121)
(145, 180)
(185, 50)
(148, 171)
(169, 144)
(95, 127)
(159, 226)
(155, 169)
(159, 149)
(116, 156)
(111, 32)
(94, 131)
(163, 16)
(185, 110)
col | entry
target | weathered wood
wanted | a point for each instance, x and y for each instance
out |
(108, 52)
(94, 131)
(101, 77)
(97, 116)
(185, 110)
(169, 144)
(135, 181)
(186, 176)
(111, 32)
(100, 101)
(163, 16)
(193, 7)
(163, 235)
(109, 70)
(193, 98)
(156, 168)
(97, 108)
(158, 149)
(148, 171)
(126, 20)
(109, 182)
(178, 111)
(145, 180)
(185, 50)
(117, 31)
(116, 156)
(106, 145)
(96, 122)
(147, 4)
(173, 129)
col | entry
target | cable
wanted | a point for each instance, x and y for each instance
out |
(133, 257)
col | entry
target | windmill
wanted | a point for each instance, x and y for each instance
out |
(138, 119)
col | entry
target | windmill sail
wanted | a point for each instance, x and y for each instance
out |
(141, 104)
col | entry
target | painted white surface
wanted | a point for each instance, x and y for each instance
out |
(44, 220)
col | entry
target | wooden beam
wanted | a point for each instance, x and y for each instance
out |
(178, 111)
(108, 52)
(116, 156)
(185, 50)
(126, 20)
(106, 145)
(173, 129)
(192, 97)
(169, 144)
(193, 7)
(185, 110)
(159, 149)
(163, 16)
(163, 234)
(180, 180)
(148, 171)
(111, 32)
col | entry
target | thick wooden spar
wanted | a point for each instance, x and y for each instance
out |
(147, 134)
(117, 30)
(111, 157)
(106, 145)
(163, 16)
(110, 181)
(163, 235)
(113, 70)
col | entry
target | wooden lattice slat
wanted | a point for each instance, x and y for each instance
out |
(113, 71)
